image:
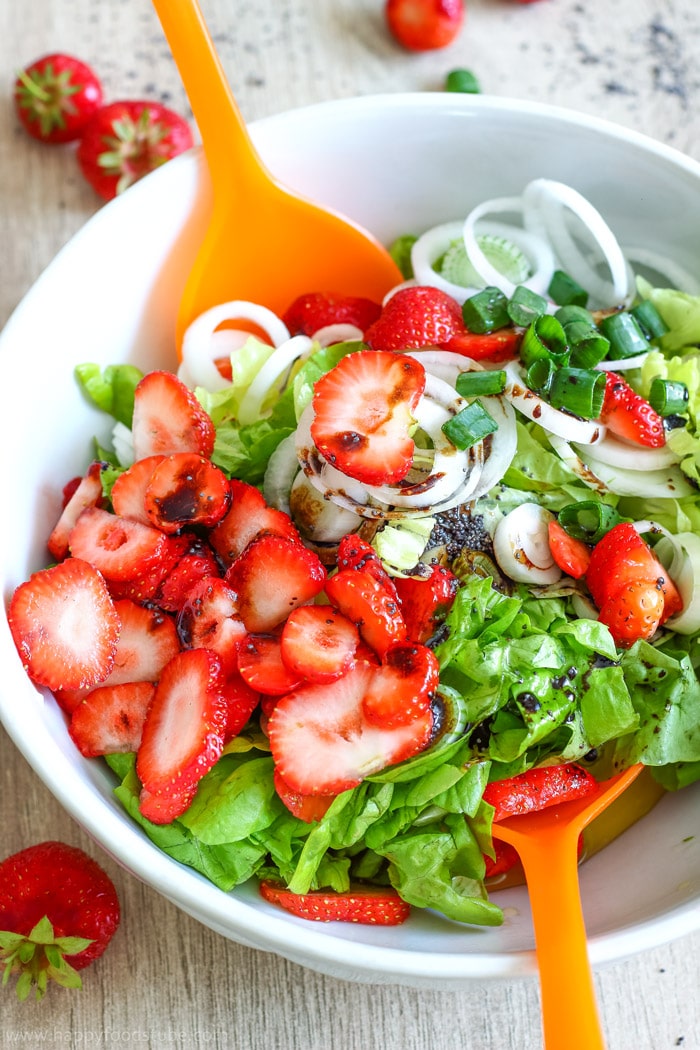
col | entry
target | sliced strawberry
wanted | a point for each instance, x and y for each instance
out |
(273, 576)
(414, 318)
(322, 743)
(372, 905)
(147, 642)
(186, 489)
(538, 788)
(168, 418)
(634, 612)
(110, 719)
(318, 643)
(260, 665)
(367, 602)
(316, 310)
(402, 688)
(145, 584)
(68, 699)
(506, 858)
(241, 702)
(629, 415)
(571, 555)
(248, 518)
(183, 735)
(501, 345)
(165, 806)
(363, 412)
(119, 548)
(356, 553)
(622, 557)
(87, 493)
(209, 619)
(197, 563)
(129, 490)
(65, 626)
(426, 602)
(308, 808)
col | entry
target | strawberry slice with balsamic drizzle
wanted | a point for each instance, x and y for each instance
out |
(363, 412)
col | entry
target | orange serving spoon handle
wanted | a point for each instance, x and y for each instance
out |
(546, 842)
(264, 243)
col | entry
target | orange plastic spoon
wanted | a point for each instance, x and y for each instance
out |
(264, 243)
(547, 844)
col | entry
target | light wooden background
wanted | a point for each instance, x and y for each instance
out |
(166, 981)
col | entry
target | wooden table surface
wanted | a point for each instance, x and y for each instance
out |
(166, 981)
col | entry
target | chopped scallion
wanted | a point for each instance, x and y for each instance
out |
(649, 319)
(668, 397)
(525, 306)
(471, 384)
(565, 291)
(565, 315)
(545, 337)
(486, 311)
(539, 375)
(626, 337)
(579, 391)
(588, 520)
(462, 80)
(470, 425)
(588, 346)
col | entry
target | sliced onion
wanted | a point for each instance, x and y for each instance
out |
(563, 425)
(200, 349)
(445, 364)
(617, 453)
(680, 555)
(664, 270)
(277, 364)
(429, 247)
(664, 483)
(549, 207)
(337, 333)
(320, 519)
(574, 462)
(503, 444)
(282, 468)
(521, 545)
(624, 364)
(530, 242)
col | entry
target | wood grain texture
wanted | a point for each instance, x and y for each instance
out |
(166, 981)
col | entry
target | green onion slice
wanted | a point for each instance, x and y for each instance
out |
(471, 384)
(486, 311)
(545, 337)
(470, 425)
(589, 521)
(565, 291)
(539, 375)
(626, 337)
(525, 306)
(579, 391)
(649, 320)
(668, 397)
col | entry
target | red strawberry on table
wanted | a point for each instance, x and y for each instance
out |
(55, 97)
(363, 412)
(371, 905)
(58, 912)
(65, 626)
(424, 25)
(126, 140)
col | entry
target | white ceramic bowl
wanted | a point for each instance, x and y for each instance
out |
(395, 164)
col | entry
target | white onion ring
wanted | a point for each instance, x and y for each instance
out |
(617, 453)
(570, 428)
(535, 247)
(282, 468)
(337, 333)
(504, 443)
(199, 349)
(445, 364)
(676, 276)
(428, 249)
(547, 203)
(279, 361)
(623, 364)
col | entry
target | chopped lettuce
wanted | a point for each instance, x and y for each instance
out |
(110, 389)
(680, 311)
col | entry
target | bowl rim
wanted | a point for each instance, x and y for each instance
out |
(124, 841)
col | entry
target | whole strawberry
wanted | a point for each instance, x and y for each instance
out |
(126, 140)
(414, 318)
(58, 912)
(424, 25)
(55, 98)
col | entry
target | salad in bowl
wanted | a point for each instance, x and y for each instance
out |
(360, 579)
